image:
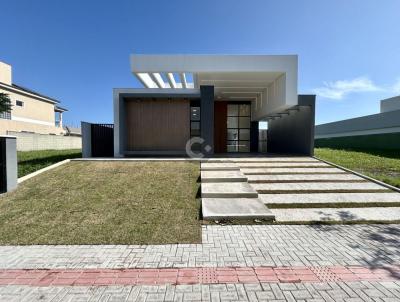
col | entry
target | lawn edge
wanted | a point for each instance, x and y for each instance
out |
(360, 175)
(40, 171)
(335, 205)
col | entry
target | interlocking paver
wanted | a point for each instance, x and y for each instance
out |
(245, 245)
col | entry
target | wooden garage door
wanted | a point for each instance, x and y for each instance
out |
(157, 124)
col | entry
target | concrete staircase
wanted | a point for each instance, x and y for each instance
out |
(226, 194)
(296, 189)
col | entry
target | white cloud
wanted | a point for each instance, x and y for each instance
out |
(337, 90)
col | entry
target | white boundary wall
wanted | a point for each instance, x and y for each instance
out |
(36, 141)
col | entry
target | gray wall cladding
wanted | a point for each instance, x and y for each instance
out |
(369, 122)
(293, 133)
(207, 118)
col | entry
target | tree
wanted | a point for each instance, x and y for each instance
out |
(5, 103)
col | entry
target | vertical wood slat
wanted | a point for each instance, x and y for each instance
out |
(157, 125)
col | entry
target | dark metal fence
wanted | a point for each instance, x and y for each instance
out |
(102, 136)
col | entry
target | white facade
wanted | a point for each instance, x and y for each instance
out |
(270, 82)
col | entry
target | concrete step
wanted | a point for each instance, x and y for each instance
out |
(304, 178)
(389, 214)
(222, 176)
(284, 165)
(286, 171)
(218, 167)
(234, 208)
(323, 187)
(326, 198)
(264, 160)
(227, 190)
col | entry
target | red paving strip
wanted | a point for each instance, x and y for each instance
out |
(99, 277)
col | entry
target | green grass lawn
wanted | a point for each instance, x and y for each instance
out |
(105, 203)
(381, 165)
(31, 161)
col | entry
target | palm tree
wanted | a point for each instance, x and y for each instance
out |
(5, 103)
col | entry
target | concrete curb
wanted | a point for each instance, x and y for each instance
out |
(26, 177)
(361, 175)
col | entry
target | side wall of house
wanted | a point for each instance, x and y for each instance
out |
(18, 126)
(34, 116)
(293, 132)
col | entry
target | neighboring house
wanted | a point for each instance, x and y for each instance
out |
(376, 131)
(218, 99)
(31, 111)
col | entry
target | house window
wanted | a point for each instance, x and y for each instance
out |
(238, 127)
(19, 103)
(195, 123)
(5, 115)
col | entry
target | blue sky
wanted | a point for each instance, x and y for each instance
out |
(77, 51)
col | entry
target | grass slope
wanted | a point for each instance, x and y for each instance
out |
(382, 165)
(31, 161)
(104, 203)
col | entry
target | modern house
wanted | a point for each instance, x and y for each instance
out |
(375, 131)
(31, 111)
(212, 104)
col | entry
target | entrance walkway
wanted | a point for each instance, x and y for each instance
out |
(293, 189)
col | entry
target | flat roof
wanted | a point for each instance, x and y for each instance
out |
(266, 79)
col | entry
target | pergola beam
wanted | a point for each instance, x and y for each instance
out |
(183, 79)
(171, 80)
(159, 80)
(153, 78)
(146, 80)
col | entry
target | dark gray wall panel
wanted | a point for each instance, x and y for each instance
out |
(293, 133)
(8, 164)
(207, 118)
(254, 133)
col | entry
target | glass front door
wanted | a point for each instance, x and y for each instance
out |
(238, 128)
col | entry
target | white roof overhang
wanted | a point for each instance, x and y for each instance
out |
(270, 81)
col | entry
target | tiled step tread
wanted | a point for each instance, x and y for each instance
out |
(284, 171)
(218, 167)
(234, 208)
(265, 160)
(284, 165)
(305, 178)
(330, 198)
(318, 187)
(228, 190)
(223, 176)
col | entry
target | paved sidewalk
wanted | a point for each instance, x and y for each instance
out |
(310, 292)
(209, 275)
(224, 246)
(315, 248)
(338, 214)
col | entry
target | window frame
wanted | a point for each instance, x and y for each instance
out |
(236, 143)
